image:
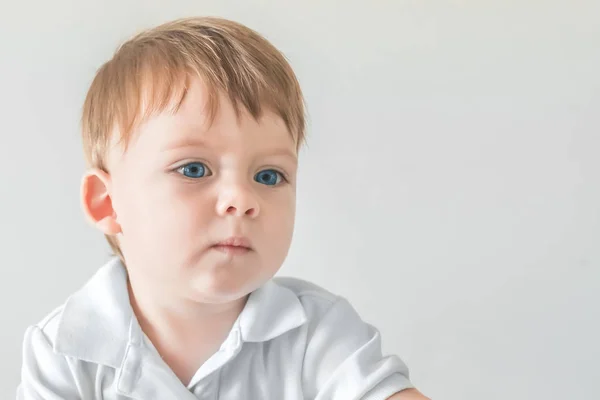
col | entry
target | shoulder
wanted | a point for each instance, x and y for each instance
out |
(342, 354)
(42, 368)
(306, 290)
(91, 319)
(39, 343)
(48, 325)
(316, 300)
(79, 303)
(325, 311)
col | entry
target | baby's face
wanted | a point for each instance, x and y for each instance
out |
(206, 210)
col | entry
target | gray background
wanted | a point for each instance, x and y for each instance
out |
(450, 188)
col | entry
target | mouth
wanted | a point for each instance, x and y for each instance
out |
(233, 246)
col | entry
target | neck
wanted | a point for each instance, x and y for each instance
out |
(184, 332)
(178, 316)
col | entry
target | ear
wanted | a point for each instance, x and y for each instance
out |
(97, 203)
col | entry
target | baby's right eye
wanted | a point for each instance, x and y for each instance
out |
(194, 170)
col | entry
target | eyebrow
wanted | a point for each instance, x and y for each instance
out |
(280, 152)
(197, 142)
(186, 142)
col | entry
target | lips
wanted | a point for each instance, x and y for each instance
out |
(233, 245)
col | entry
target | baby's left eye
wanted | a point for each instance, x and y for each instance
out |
(269, 177)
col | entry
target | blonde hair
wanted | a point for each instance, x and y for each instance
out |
(149, 73)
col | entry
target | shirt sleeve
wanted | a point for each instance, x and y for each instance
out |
(344, 361)
(45, 375)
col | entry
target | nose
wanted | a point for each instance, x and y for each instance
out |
(237, 200)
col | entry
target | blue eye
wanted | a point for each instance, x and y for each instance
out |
(193, 170)
(268, 177)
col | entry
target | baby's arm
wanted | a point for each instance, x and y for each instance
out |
(343, 360)
(45, 375)
(408, 394)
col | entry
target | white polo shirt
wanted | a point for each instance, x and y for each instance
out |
(292, 341)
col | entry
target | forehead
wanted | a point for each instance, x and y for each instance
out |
(194, 123)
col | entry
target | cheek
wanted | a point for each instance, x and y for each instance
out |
(163, 213)
(182, 211)
(280, 218)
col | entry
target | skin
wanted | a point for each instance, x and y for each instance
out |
(184, 184)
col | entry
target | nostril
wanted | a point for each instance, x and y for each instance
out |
(250, 211)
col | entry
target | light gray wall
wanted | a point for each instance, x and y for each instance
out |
(451, 187)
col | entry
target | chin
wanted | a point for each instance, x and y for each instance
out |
(218, 298)
(222, 289)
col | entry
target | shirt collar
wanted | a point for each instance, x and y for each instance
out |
(97, 322)
(270, 311)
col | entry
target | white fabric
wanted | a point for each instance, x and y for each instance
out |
(292, 341)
